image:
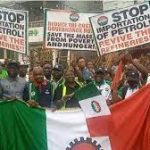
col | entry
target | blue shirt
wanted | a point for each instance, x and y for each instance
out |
(86, 74)
(12, 88)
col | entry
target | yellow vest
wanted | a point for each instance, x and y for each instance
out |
(64, 91)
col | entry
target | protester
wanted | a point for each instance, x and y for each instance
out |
(133, 84)
(82, 71)
(57, 75)
(38, 91)
(64, 92)
(134, 76)
(47, 68)
(102, 85)
(12, 87)
(23, 72)
(134, 64)
(91, 68)
(145, 71)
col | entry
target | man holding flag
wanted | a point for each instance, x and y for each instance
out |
(96, 128)
(104, 87)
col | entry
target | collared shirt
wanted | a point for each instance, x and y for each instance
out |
(12, 88)
(39, 93)
(55, 84)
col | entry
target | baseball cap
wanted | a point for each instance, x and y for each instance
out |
(100, 70)
(132, 74)
(13, 64)
(107, 70)
(22, 64)
(58, 67)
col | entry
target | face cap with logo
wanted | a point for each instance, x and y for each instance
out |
(13, 69)
(132, 76)
(13, 64)
(58, 67)
(99, 75)
(100, 70)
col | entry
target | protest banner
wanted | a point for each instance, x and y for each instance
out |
(13, 30)
(121, 29)
(68, 30)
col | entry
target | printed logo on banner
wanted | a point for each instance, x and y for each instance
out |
(84, 143)
(122, 29)
(74, 17)
(96, 106)
(102, 20)
(72, 31)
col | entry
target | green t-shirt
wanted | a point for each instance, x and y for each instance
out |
(3, 74)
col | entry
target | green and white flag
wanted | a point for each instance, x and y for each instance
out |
(25, 128)
(92, 102)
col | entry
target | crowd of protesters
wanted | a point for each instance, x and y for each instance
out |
(54, 87)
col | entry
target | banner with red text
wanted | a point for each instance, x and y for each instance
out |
(123, 28)
(68, 30)
(13, 30)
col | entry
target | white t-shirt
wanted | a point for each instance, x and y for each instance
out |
(131, 91)
(148, 79)
(26, 78)
(105, 90)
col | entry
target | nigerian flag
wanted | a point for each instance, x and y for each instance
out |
(25, 128)
(98, 128)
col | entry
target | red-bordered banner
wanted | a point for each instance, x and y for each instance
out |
(68, 30)
(121, 29)
(13, 30)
